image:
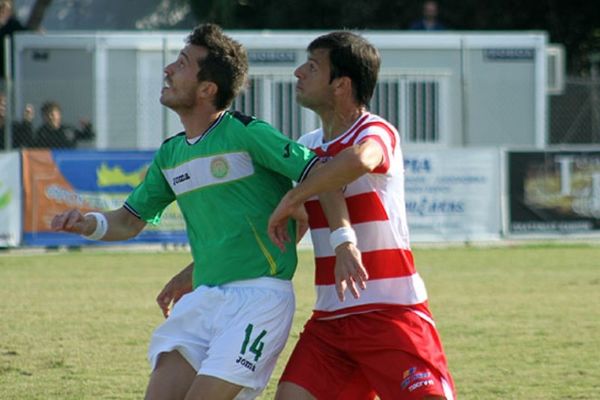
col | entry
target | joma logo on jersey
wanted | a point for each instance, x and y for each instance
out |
(245, 363)
(181, 178)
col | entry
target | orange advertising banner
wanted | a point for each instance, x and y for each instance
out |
(41, 175)
(55, 181)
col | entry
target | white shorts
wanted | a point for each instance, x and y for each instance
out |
(234, 332)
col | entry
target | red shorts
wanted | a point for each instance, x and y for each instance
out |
(392, 353)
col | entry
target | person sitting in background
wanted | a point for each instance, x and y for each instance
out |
(53, 133)
(429, 21)
(22, 131)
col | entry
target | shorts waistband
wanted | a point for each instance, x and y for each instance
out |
(264, 283)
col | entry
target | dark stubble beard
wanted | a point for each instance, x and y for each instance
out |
(184, 101)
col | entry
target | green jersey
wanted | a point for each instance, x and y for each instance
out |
(226, 185)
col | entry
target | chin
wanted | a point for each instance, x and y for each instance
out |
(302, 102)
(165, 101)
(300, 99)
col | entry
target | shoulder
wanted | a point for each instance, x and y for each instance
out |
(250, 125)
(376, 126)
(172, 139)
(376, 122)
(242, 118)
(44, 129)
(312, 139)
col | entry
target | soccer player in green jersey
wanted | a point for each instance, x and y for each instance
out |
(227, 173)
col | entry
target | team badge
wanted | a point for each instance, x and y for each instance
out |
(219, 168)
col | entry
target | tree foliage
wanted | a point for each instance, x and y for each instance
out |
(575, 24)
(37, 14)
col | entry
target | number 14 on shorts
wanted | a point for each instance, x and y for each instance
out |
(257, 345)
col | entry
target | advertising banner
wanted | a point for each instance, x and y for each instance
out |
(10, 199)
(453, 194)
(56, 181)
(554, 191)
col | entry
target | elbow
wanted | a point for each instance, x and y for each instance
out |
(363, 163)
(134, 231)
(136, 227)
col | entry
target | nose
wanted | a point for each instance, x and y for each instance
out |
(297, 72)
(167, 69)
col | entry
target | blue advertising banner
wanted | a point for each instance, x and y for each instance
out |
(56, 181)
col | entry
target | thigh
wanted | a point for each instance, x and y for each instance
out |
(319, 368)
(358, 388)
(414, 379)
(290, 391)
(171, 379)
(252, 330)
(211, 388)
(400, 354)
(186, 330)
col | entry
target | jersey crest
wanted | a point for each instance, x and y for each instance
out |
(219, 168)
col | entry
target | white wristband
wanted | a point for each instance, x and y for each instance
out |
(101, 226)
(342, 235)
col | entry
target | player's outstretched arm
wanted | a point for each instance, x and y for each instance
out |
(347, 166)
(114, 225)
(179, 285)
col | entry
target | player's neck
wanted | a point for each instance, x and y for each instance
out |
(197, 123)
(338, 121)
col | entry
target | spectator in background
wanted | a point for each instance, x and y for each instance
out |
(53, 133)
(429, 21)
(22, 131)
(9, 24)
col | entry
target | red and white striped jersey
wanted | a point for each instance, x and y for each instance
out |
(378, 215)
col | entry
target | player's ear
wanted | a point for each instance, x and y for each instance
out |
(342, 85)
(208, 89)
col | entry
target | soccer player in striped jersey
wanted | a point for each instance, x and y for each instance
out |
(382, 339)
(227, 173)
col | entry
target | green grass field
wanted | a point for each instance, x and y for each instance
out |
(518, 322)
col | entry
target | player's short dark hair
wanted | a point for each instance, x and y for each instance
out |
(226, 63)
(353, 56)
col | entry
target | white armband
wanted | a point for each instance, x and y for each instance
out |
(342, 235)
(101, 226)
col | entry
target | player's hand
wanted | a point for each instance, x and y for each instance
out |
(174, 290)
(349, 271)
(278, 222)
(73, 221)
